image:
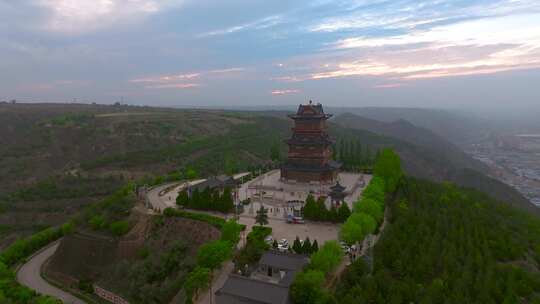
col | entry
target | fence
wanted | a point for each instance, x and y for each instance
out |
(109, 296)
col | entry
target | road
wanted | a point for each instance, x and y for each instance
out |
(30, 275)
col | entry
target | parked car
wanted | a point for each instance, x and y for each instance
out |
(346, 249)
(298, 220)
(269, 240)
(283, 245)
(295, 219)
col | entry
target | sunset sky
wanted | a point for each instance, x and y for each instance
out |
(436, 53)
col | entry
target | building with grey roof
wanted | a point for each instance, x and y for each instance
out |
(269, 284)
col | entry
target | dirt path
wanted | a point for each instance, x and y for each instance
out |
(30, 275)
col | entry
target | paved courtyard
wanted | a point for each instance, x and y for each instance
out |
(321, 232)
(276, 194)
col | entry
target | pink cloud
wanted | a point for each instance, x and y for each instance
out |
(173, 86)
(284, 92)
(183, 81)
(388, 85)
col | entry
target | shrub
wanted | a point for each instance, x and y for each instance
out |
(327, 258)
(212, 254)
(196, 280)
(97, 222)
(231, 231)
(212, 220)
(119, 227)
(20, 249)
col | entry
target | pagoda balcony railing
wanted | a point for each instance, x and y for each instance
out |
(309, 130)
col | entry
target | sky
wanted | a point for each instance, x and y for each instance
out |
(408, 53)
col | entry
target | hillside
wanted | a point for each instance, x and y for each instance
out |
(429, 156)
(455, 126)
(56, 159)
(154, 257)
(446, 244)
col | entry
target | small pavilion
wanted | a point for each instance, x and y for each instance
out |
(337, 194)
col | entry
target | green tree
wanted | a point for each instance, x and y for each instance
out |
(262, 216)
(182, 199)
(314, 247)
(198, 279)
(212, 254)
(366, 222)
(371, 207)
(310, 208)
(322, 213)
(388, 166)
(306, 247)
(119, 228)
(307, 287)
(97, 222)
(351, 232)
(297, 246)
(191, 173)
(375, 190)
(343, 212)
(231, 231)
(227, 203)
(327, 258)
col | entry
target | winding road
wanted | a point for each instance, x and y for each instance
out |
(30, 275)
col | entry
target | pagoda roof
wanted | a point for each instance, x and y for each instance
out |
(337, 187)
(310, 111)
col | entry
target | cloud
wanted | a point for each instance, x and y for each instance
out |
(166, 78)
(182, 81)
(79, 16)
(173, 86)
(388, 85)
(482, 46)
(254, 25)
(284, 92)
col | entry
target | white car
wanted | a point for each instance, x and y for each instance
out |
(345, 247)
(283, 247)
(269, 240)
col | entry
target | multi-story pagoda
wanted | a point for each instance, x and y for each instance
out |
(310, 153)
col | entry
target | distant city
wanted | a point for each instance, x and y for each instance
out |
(515, 159)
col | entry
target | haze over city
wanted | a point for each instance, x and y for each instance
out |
(441, 54)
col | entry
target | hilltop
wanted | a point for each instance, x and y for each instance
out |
(57, 158)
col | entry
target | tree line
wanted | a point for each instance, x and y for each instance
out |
(352, 154)
(208, 199)
(368, 211)
(316, 210)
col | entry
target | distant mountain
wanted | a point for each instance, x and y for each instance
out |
(456, 127)
(427, 155)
